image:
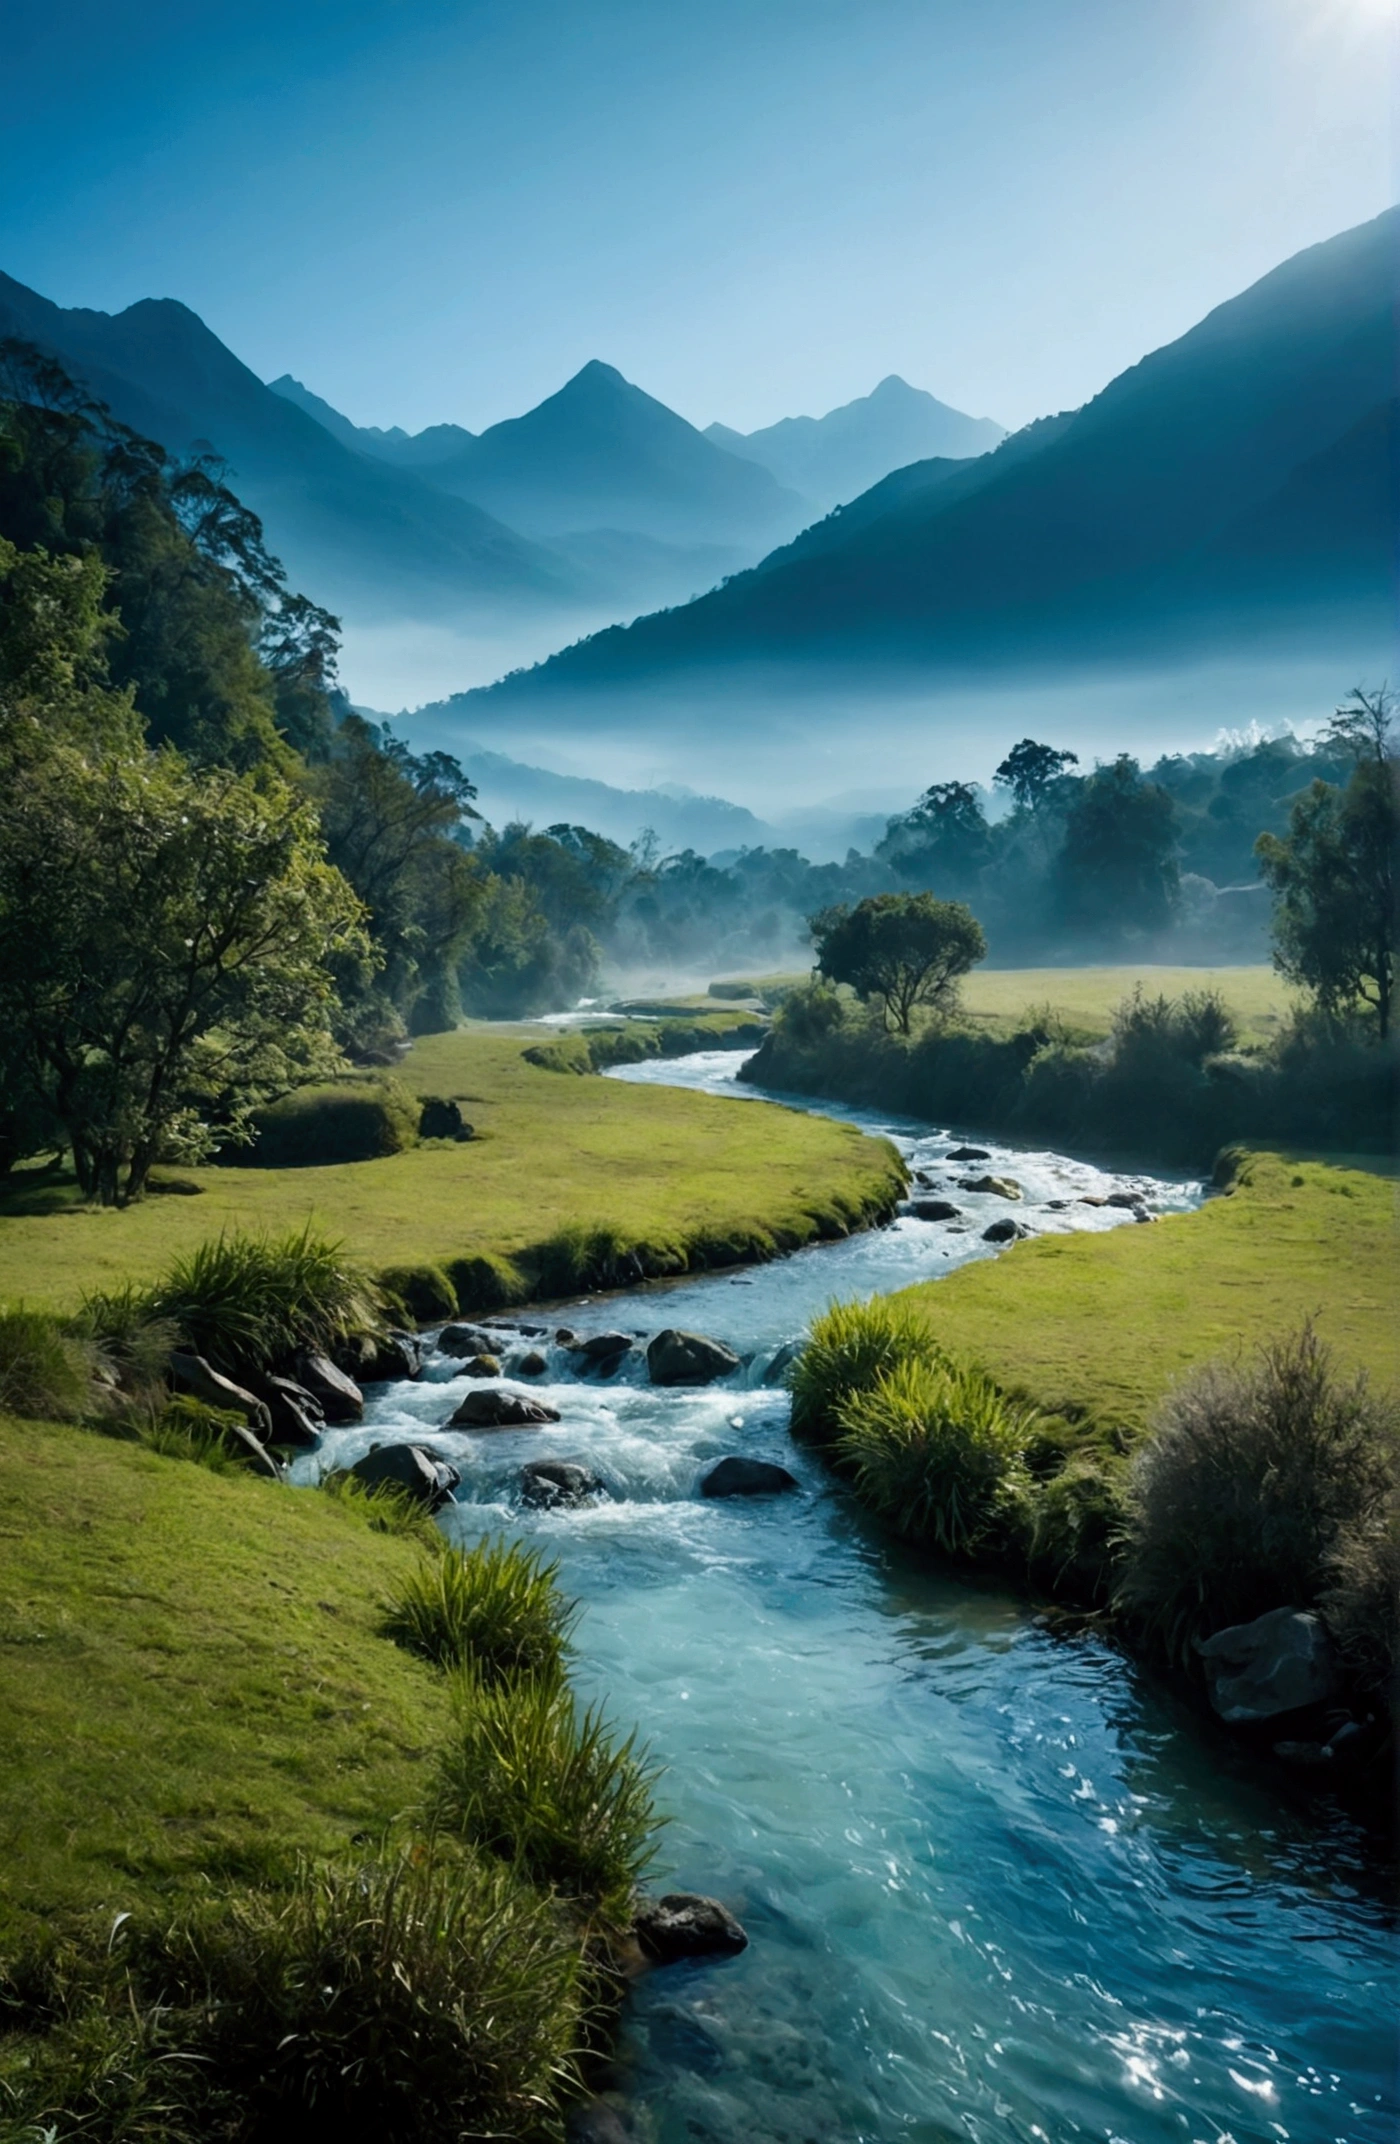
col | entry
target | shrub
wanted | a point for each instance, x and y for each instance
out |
(1251, 1478)
(345, 1120)
(810, 1014)
(568, 1053)
(529, 1778)
(495, 1608)
(129, 1334)
(1361, 1600)
(579, 1257)
(45, 1371)
(1072, 1523)
(847, 1350)
(248, 1302)
(428, 1998)
(936, 1451)
(421, 1293)
(487, 1281)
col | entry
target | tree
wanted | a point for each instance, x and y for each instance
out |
(1334, 874)
(903, 949)
(1117, 869)
(1031, 771)
(165, 938)
(393, 821)
(944, 839)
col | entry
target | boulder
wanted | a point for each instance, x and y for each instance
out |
(297, 1416)
(747, 1477)
(1128, 1200)
(411, 1467)
(502, 1409)
(244, 1445)
(566, 1337)
(935, 1210)
(778, 1367)
(682, 1924)
(192, 1374)
(482, 1366)
(1005, 1187)
(340, 1398)
(533, 1364)
(384, 1358)
(967, 1153)
(1090, 1198)
(681, 1358)
(603, 1347)
(465, 1340)
(1007, 1231)
(558, 1484)
(442, 1119)
(1281, 1662)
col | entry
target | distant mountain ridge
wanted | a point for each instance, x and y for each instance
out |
(353, 532)
(833, 459)
(1237, 482)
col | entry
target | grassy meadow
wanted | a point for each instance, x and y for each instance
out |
(1101, 1325)
(192, 1677)
(552, 1153)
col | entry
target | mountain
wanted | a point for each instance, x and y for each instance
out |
(602, 454)
(1232, 491)
(353, 532)
(834, 458)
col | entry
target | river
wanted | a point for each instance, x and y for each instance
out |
(998, 1884)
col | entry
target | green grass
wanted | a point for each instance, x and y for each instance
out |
(689, 1176)
(1088, 997)
(495, 1608)
(192, 1679)
(1099, 1326)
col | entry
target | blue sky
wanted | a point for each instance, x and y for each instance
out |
(753, 207)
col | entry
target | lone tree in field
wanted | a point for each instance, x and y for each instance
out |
(901, 949)
(1336, 873)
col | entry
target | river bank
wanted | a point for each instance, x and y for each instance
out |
(996, 1881)
(565, 1183)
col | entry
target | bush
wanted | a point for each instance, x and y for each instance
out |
(419, 2001)
(45, 1372)
(129, 1335)
(848, 1349)
(345, 1120)
(487, 1281)
(1361, 1600)
(422, 1293)
(936, 1453)
(247, 1303)
(1072, 1524)
(579, 1257)
(529, 1778)
(495, 1608)
(1252, 1478)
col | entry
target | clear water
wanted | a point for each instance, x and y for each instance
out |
(996, 1886)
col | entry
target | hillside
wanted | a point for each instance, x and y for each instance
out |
(355, 533)
(834, 458)
(1226, 481)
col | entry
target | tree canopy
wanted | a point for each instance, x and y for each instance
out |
(904, 950)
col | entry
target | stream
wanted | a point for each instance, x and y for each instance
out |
(997, 1883)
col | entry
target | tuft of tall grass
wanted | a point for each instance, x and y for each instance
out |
(45, 1370)
(129, 1334)
(425, 1999)
(495, 1608)
(529, 1778)
(1361, 1600)
(186, 1428)
(849, 1348)
(247, 1302)
(936, 1453)
(585, 1255)
(385, 1509)
(1252, 1477)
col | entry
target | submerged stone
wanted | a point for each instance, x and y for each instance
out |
(558, 1484)
(935, 1210)
(737, 1476)
(683, 1924)
(967, 1153)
